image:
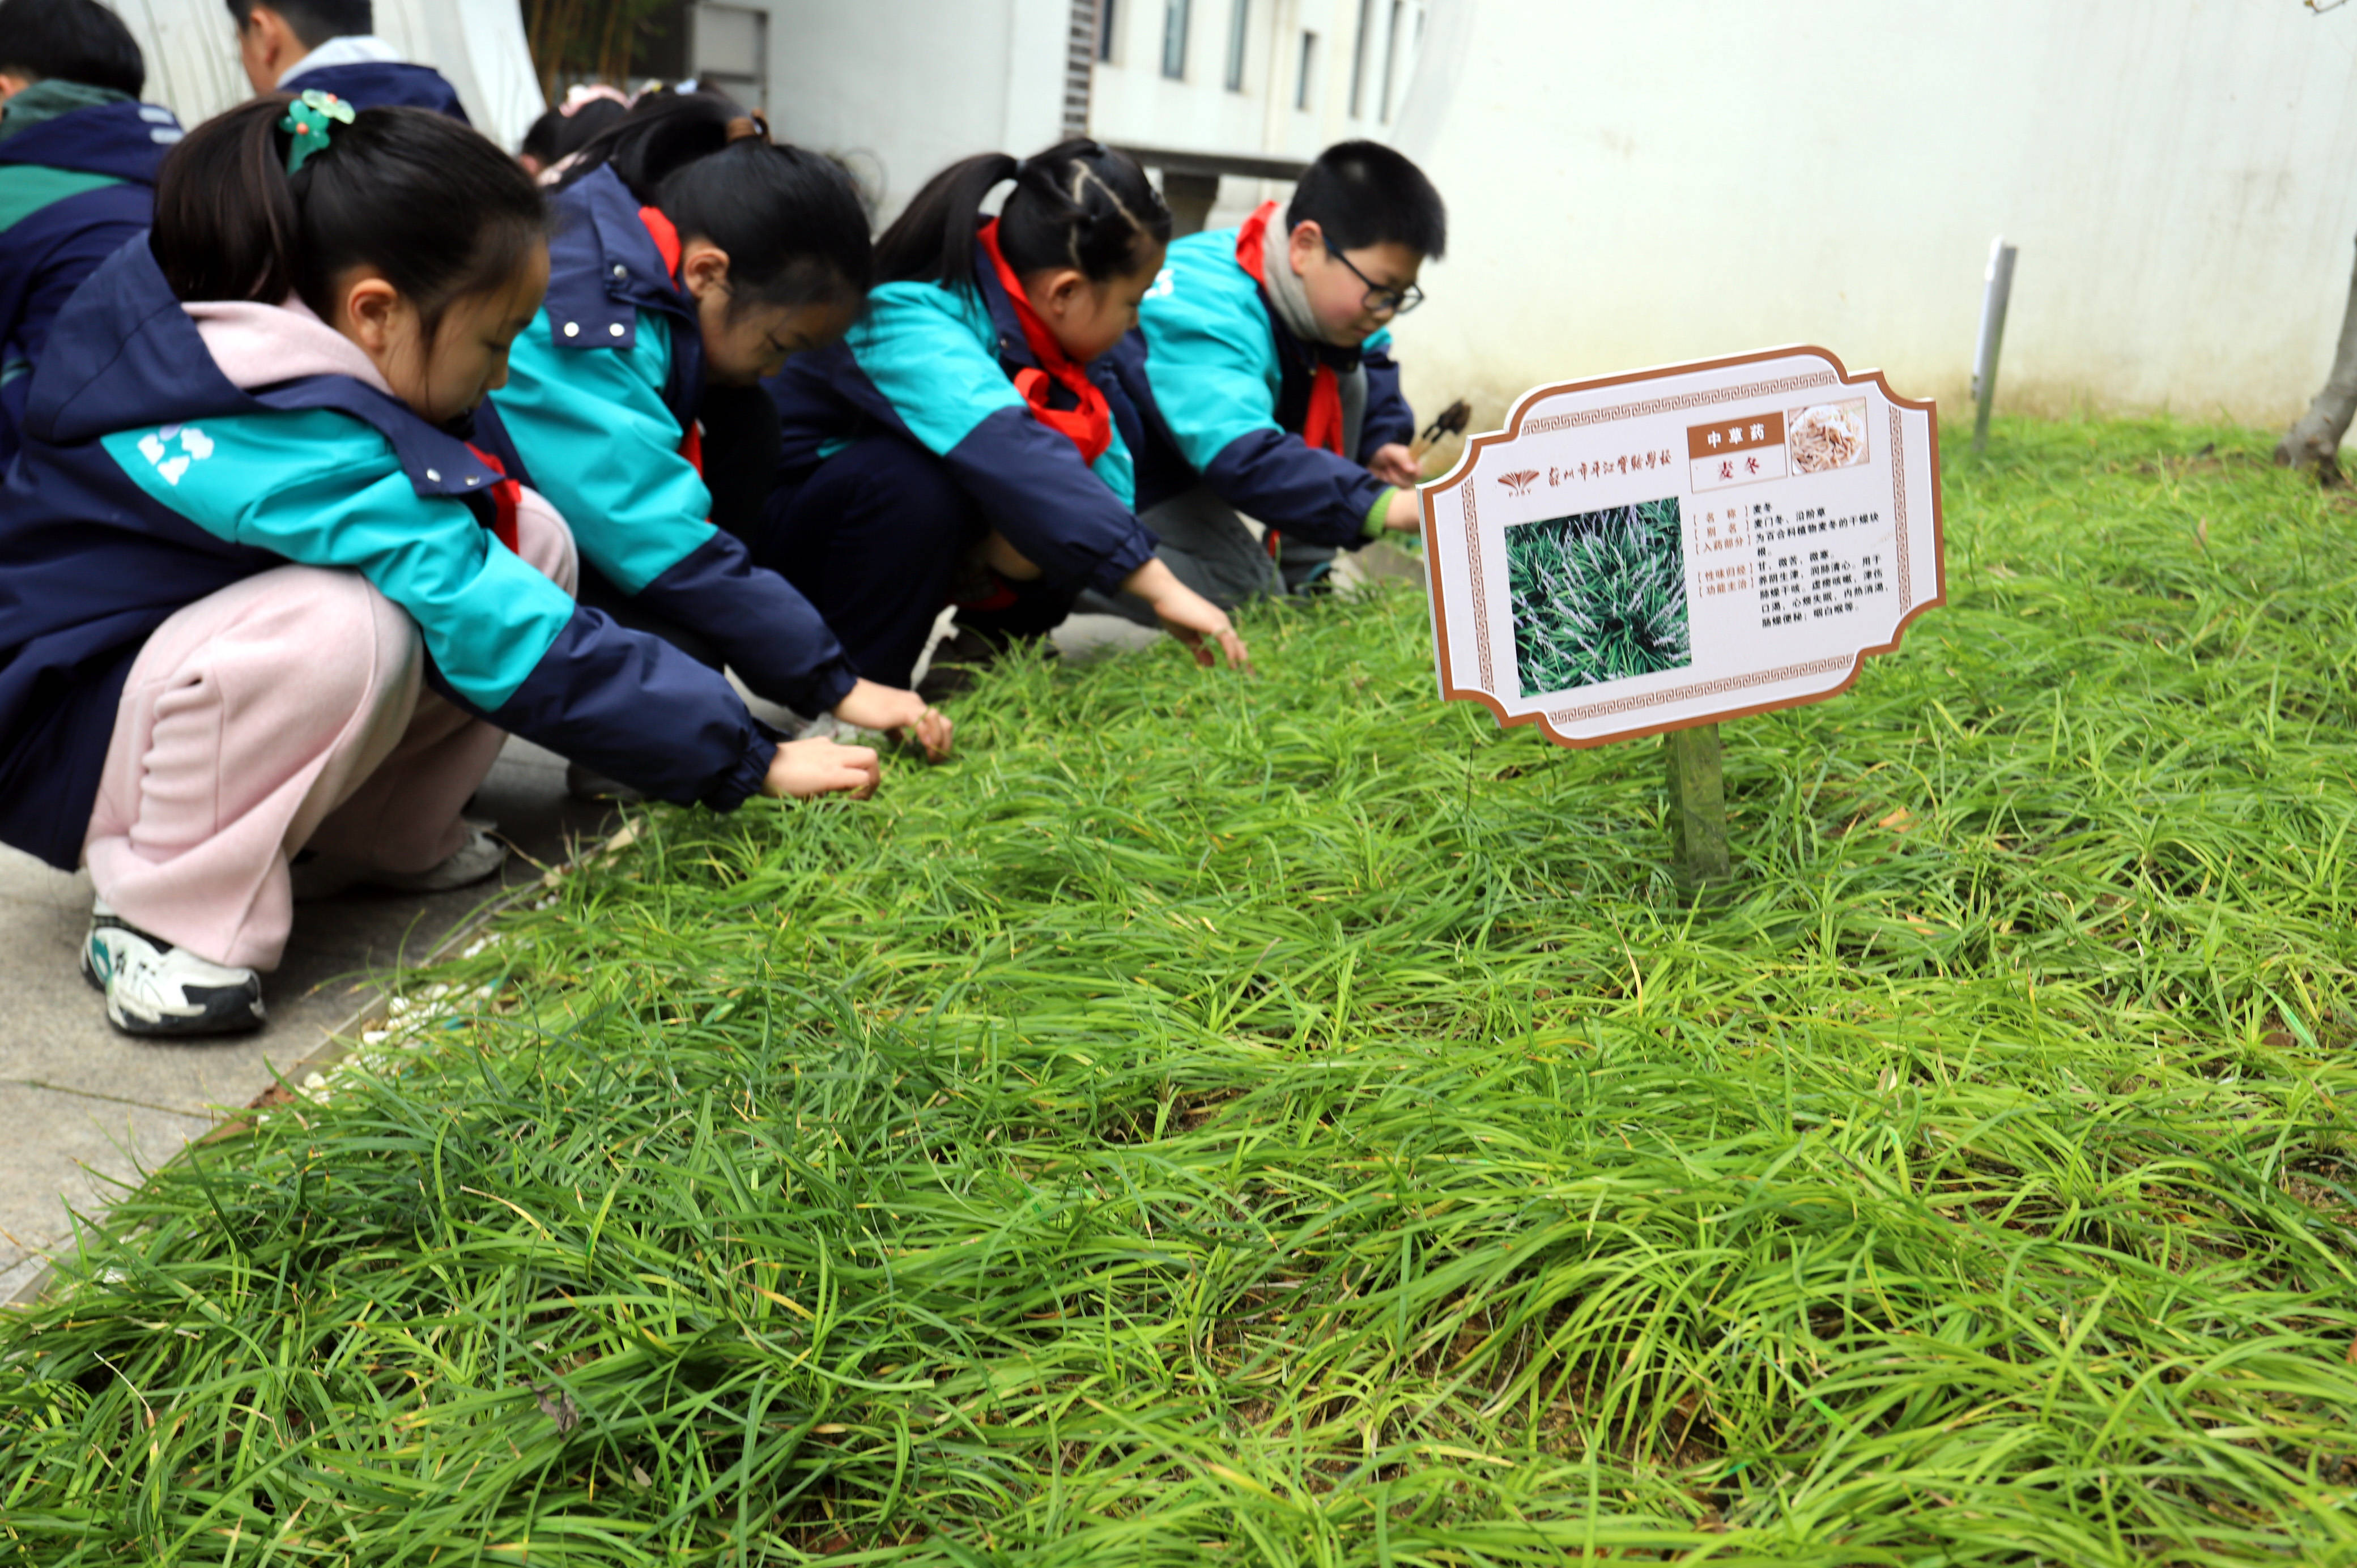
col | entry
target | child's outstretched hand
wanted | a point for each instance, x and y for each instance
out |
(891, 710)
(806, 768)
(1395, 465)
(1189, 616)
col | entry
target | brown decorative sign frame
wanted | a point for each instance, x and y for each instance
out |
(1799, 503)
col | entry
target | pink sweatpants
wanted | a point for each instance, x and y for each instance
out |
(286, 711)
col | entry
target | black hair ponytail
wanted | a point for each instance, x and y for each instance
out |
(560, 133)
(433, 206)
(1080, 204)
(789, 219)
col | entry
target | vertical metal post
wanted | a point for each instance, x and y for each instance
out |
(1697, 807)
(1997, 288)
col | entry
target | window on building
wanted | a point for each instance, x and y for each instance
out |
(1303, 83)
(1106, 16)
(1174, 39)
(1359, 59)
(1239, 28)
(728, 50)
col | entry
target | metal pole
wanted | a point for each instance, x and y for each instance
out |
(1997, 288)
(1697, 809)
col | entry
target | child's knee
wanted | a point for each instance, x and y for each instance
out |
(545, 541)
(293, 653)
(911, 490)
(360, 647)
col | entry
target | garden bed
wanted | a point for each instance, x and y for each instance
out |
(1289, 1121)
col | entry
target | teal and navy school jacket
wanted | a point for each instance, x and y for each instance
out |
(147, 480)
(72, 190)
(1223, 388)
(935, 366)
(600, 401)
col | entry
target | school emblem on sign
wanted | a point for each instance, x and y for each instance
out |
(1663, 550)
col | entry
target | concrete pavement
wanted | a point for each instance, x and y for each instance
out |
(83, 1109)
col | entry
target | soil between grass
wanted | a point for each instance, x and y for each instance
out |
(1289, 1121)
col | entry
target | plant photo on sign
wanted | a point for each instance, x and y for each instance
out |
(1598, 596)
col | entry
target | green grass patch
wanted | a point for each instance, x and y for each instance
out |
(1291, 1122)
(1598, 596)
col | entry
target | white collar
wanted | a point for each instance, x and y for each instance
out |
(352, 49)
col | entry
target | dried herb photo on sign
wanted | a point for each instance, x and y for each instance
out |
(1598, 596)
(1827, 436)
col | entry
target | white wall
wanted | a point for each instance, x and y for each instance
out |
(192, 68)
(904, 86)
(1634, 184)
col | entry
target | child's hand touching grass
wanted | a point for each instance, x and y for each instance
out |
(887, 708)
(1189, 616)
(804, 768)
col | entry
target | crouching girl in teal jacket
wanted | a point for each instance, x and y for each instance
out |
(967, 427)
(692, 254)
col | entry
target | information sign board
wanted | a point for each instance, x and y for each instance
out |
(1657, 551)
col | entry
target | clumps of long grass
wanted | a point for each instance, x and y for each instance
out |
(1294, 1121)
(1598, 596)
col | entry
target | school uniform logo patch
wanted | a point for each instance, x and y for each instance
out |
(194, 443)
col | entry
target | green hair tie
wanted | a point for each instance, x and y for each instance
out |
(307, 120)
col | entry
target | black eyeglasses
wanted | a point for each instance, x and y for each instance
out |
(1380, 300)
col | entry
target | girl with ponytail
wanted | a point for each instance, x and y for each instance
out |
(266, 603)
(691, 256)
(967, 442)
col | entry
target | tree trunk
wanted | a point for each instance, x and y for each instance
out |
(2315, 441)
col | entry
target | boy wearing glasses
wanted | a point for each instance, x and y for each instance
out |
(1262, 365)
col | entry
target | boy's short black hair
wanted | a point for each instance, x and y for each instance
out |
(314, 21)
(1364, 193)
(70, 40)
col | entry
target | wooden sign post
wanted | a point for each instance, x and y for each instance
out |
(1655, 553)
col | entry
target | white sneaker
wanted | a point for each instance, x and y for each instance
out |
(155, 988)
(324, 875)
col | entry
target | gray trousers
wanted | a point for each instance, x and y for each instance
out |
(1208, 547)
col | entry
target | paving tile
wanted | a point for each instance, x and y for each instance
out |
(68, 1081)
(72, 1150)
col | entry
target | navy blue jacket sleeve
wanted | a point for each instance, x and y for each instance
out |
(1030, 482)
(1388, 417)
(770, 634)
(110, 218)
(1309, 493)
(637, 709)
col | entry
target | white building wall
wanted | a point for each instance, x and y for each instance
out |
(1133, 102)
(192, 66)
(1634, 184)
(902, 87)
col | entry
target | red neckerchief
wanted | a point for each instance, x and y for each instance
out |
(505, 497)
(665, 234)
(1323, 427)
(1089, 426)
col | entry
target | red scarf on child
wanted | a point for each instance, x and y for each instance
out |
(665, 235)
(1323, 427)
(505, 497)
(1089, 426)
